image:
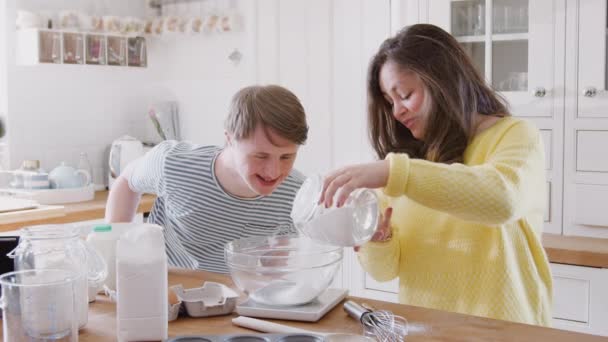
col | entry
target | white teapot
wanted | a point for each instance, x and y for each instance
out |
(64, 176)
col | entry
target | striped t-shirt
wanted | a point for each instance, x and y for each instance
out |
(198, 215)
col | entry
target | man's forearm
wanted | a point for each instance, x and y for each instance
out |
(122, 202)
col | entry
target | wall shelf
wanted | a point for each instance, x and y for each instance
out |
(42, 46)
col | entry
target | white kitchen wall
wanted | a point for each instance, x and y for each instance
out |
(197, 72)
(57, 111)
(286, 43)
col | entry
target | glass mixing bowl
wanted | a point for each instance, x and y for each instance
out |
(282, 270)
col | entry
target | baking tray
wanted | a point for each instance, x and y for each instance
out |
(250, 338)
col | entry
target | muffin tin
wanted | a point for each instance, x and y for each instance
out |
(212, 299)
(274, 338)
(251, 338)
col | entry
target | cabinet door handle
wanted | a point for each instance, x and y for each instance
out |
(539, 92)
(590, 92)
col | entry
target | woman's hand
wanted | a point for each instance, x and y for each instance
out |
(383, 231)
(347, 179)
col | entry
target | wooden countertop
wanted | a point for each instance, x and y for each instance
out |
(425, 324)
(73, 212)
(576, 250)
(571, 250)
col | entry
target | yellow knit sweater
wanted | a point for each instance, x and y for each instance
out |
(467, 237)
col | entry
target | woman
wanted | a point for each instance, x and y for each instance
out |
(464, 185)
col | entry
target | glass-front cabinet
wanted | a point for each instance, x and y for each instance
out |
(586, 120)
(592, 65)
(511, 42)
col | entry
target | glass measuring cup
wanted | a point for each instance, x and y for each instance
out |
(39, 305)
(350, 225)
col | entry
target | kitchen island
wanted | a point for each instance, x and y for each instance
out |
(424, 324)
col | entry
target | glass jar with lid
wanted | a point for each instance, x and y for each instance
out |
(350, 225)
(60, 247)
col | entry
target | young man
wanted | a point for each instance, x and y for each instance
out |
(209, 195)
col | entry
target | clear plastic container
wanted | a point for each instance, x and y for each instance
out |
(350, 225)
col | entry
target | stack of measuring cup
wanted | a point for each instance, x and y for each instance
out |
(47, 295)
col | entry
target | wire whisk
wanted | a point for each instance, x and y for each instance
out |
(381, 324)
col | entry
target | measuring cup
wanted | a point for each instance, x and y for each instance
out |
(39, 305)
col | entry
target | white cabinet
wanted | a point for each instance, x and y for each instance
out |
(548, 59)
(515, 45)
(586, 120)
(580, 299)
(509, 41)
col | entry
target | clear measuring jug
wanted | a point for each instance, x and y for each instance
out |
(39, 305)
(350, 225)
(60, 247)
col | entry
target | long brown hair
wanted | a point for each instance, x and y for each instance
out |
(455, 91)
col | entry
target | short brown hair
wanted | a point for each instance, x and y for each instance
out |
(272, 106)
(455, 89)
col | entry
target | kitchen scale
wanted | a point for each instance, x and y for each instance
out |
(310, 312)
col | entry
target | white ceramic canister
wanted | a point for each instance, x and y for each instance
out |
(141, 285)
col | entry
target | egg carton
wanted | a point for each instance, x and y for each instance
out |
(251, 338)
(212, 299)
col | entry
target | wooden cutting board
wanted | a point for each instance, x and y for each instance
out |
(40, 212)
(8, 203)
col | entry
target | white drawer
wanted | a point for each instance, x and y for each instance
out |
(587, 149)
(580, 299)
(590, 205)
(571, 298)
